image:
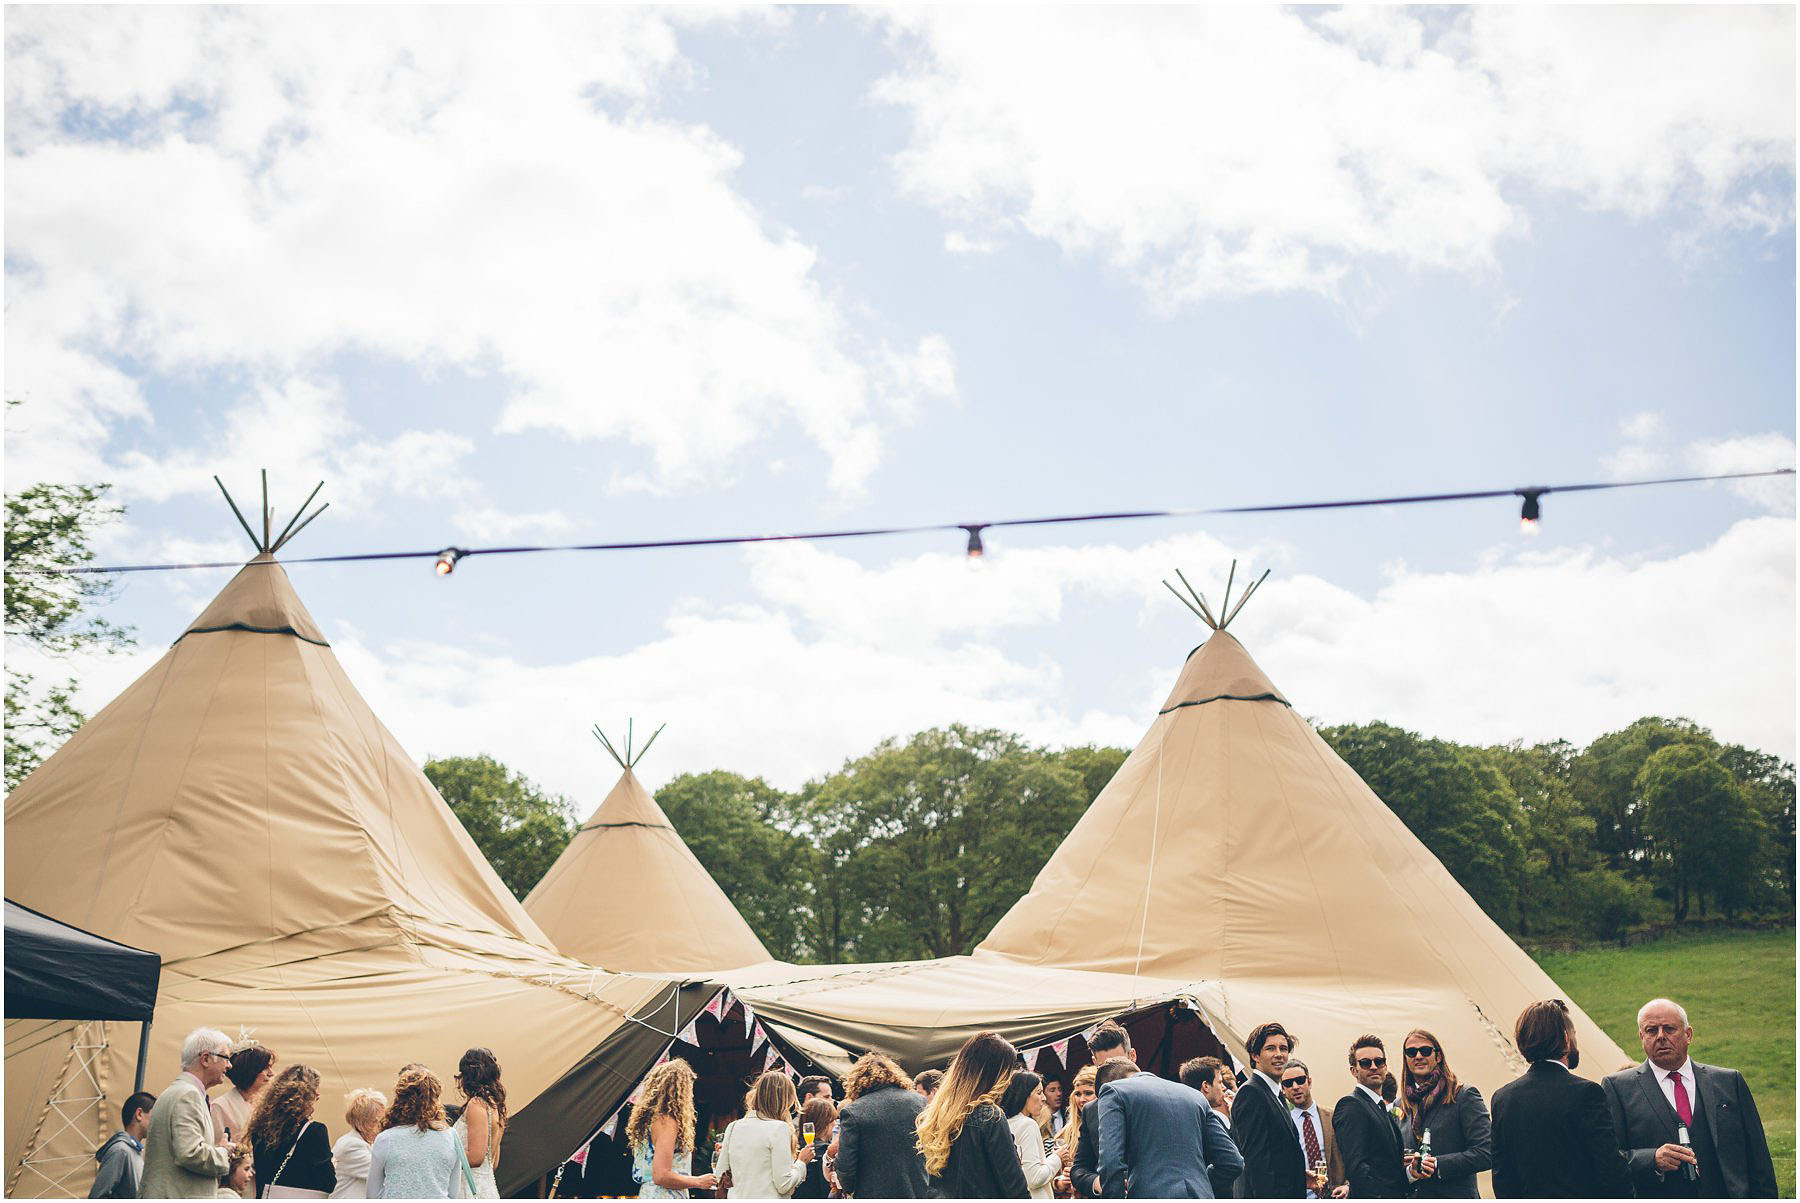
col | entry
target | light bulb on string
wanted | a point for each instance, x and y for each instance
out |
(1530, 512)
(975, 549)
(447, 558)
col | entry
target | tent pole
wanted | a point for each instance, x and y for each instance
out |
(143, 1057)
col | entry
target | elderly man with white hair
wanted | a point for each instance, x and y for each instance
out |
(1687, 1130)
(183, 1159)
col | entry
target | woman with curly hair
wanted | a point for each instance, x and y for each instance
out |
(968, 1149)
(878, 1154)
(416, 1156)
(661, 1135)
(483, 1118)
(1081, 1093)
(761, 1152)
(252, 1066)
(291, 1150)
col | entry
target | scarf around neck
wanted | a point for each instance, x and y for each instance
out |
(1421, 1094)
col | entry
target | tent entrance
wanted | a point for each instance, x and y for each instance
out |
(728, 1053)
(1164, 1035)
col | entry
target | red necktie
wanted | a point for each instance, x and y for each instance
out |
(1683, 1108)
(1313, 1155)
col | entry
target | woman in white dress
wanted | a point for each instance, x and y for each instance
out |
(483, 1118)
(761, 1153)
(365, 1111)
(661, 1135)
(1022, 1104)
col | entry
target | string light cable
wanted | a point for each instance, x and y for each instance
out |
(447, 558)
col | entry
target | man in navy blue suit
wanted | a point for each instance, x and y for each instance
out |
(1160, 1139)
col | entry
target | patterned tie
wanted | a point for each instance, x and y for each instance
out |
(1683, 1108)
(1311, 1137)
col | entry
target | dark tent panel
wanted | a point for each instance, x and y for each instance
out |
(54, 971)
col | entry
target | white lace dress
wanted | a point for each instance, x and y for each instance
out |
(485, 1187)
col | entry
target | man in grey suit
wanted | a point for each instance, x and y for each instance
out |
(182, 1157)
(1160, 1139)
(1726, 1155)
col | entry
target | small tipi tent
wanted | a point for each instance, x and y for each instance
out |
(240, 811)
(1235, 848)
(628, 862)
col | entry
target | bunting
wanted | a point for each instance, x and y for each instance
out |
(715, 1005)
(1061, 1049)
(691, 1033)
(749, 1016)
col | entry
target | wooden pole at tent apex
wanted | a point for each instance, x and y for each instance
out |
(627, 761)
(1195, 600)
(268, 543)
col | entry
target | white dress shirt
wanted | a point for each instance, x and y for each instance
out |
(1374, 1096)
(1686, 1070)
(1295, 1114)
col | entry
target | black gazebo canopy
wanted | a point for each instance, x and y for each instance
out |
(54, 971)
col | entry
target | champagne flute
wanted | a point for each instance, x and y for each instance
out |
(806, 1132)
(1320, 1171)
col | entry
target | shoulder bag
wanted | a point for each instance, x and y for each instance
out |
(272, 1189)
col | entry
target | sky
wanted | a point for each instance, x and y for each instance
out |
(610, 274)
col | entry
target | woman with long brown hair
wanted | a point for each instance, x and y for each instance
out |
(252, 1068)
(1445, 1125)
(968, 1149)
(761, 1152)
(1081, 1093)
(822, 1114)
(292, 1151)
(660, 1135)
(483, 1118)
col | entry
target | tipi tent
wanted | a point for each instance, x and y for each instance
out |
(627, 861)
(1236, 862)
(240, 811)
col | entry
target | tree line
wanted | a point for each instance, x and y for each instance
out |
(917, 848)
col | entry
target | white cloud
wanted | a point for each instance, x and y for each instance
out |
(1236, 149)
(475, 189)
(1644, 450)
(484, 522)
(1754, 453)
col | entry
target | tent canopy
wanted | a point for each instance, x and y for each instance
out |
(54, 971)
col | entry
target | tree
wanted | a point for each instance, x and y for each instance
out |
(1701, 832)
(931, 840)
(1604, 778)
(1768, 783)
(1558, 832)
(519, 828)
(742, 830)
(51, 526)
(1453, 799)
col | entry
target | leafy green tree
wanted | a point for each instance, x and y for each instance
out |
(1558, 832)
(1701, 831)
(1604, 777)
(742, 830)
(51, 526)
(1454, 799)
(519, 828)
(1095, 765)
(1768, 784)
(931, 840)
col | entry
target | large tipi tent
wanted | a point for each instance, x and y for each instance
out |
(241, 811)
(1234, 862)
(627, 861)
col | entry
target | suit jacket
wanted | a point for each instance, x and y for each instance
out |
(1274, 1166)
(180, 1159)
(1725, 1118)
(984, 1162)
(1462, 1140)
(1160, 1140)
(878, 1151)
(1554, 1138)
(1369, 1140)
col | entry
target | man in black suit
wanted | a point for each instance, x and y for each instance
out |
(1368, 1139)
(1274, 1166)
(1109, 1041)
(1727, 1149)
(1553, 1134)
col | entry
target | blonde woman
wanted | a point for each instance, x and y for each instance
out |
(761, 1153)
(968, 1149)
(365, 1111)
(661, 1135)
(1080, 1095)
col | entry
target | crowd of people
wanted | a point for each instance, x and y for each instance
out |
(261, 1136)
(989, 1128)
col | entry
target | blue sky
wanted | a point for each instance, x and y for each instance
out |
(503, 276)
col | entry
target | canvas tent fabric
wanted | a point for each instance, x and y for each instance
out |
(628, 862)
(240, 809)
(54, 971)
(1236, 851)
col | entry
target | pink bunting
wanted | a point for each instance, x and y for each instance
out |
(1061, 1049)
(749, 1017)
(691, 1033)
(713, 1006)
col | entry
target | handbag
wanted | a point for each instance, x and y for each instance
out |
(462, 1155)
(272, 1191)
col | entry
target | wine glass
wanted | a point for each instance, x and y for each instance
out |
(807, 1132)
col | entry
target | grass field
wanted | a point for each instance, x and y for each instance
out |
(1738, 988)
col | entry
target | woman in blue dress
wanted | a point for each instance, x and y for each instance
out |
(661, 1135)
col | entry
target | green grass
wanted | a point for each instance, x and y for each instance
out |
(1738, 988)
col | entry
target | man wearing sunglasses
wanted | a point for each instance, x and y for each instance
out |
(1367, 1136)
(1312, 1127)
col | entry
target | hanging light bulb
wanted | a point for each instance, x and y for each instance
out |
(1530, 512)
(975, 548)
(447, 558)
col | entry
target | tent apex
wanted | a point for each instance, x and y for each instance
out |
(268, 543)
(1198, 599)
(626, 760)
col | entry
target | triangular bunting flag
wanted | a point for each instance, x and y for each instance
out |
(770, 1060)
(1061, 1049)
(757, 1039)
(714, 1005)
(611, 1125)
(691, 1033)
(580, 1157)
(749, 1018)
